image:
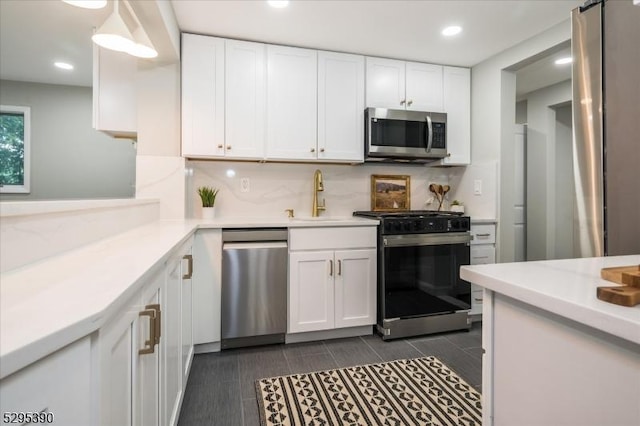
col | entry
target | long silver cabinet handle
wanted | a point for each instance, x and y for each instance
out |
(330, 268)
(339, 267)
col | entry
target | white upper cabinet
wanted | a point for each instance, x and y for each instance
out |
(245, 103)
(457, 105)
(202, 96)
(114, 93)
(385, 83)
(340, 107)
(423, 87)
(292, 103)
(404, 85)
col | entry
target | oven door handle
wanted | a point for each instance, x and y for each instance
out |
(426, 239)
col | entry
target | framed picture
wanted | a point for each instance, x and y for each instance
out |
(390, 193)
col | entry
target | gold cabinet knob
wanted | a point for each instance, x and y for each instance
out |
(321, 149)
(313, 150)
(220, 146)
(228, 147)
(409, 103)
(402, 102)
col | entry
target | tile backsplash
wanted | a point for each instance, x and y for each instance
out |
(274, 187)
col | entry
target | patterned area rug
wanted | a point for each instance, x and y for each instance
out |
(421, 391)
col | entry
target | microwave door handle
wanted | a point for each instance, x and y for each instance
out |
(429, 134)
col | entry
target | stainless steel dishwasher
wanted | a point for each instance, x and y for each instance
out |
(254, 287)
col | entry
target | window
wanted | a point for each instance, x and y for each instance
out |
(15, 141)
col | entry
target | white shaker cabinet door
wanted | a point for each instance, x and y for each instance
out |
(424, 87)
(147, 382)
(245, 99)
(117, 367)
(187, 311)
(202, 96)
(385, 83)
(171, 342)
(457, 105)
(340, 107)
(311, 291)
(355, 288)
(291, 103)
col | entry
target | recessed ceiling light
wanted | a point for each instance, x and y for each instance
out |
(63, 65)
(565, 60)
(278, 4)
(452, 30)
(87, 4)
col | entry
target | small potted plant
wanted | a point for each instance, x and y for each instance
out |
(208, 197)
(457, 206)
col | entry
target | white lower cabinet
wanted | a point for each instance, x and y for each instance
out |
(58, 386)
(147, 396)
(129, 374)
(331, 287)
(483, 251)
(142, 350)
(355, 288)
(172, 361)
(206, 282)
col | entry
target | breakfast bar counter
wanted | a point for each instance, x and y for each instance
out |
(553, 352)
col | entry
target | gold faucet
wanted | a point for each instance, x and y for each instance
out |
(317, 187)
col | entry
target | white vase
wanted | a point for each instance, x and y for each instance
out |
(208, 213)
(459, 209)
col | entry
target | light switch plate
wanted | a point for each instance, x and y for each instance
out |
(477, 187)
(244, 185)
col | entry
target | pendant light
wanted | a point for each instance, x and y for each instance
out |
(114, 34)
(141, 46)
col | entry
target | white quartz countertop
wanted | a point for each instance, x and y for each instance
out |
(284, 222)
(564, 287)
(48, 304)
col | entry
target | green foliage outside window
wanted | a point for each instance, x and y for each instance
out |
(12, 149)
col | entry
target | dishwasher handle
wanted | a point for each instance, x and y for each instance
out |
(251, 235)
(254, 245)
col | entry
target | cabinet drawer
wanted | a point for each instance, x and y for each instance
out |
(324, 238)
(483, 234)
(483, 254)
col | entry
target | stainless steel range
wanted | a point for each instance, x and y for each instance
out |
(419, 259)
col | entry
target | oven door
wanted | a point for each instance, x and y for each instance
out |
(420, 275)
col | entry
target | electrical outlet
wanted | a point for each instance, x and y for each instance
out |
(244, 185)
(477, 187)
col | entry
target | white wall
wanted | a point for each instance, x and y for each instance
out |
(69, 159)
(275, 187)
(542, 180)
(493, 101)
(160, 170)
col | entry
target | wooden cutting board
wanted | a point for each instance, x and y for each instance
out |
(626, 295)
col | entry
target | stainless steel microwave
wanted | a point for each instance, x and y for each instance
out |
(409, 136)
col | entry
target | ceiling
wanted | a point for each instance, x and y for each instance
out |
(34, 33)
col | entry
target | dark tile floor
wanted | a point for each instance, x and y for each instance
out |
(220, 390)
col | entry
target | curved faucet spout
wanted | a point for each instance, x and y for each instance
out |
(317, 181)
(317, 187)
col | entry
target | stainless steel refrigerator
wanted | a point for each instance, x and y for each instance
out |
(606, 127)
